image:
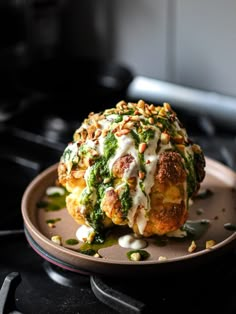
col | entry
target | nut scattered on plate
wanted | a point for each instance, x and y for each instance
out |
(210, 244)
(162, 258)
(192, 247)
(57, 239)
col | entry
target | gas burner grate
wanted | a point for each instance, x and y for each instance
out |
(7, 293)
(64, 277)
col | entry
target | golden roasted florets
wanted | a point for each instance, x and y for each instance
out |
(132, 165)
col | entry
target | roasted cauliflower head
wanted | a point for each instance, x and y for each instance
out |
(131, 165)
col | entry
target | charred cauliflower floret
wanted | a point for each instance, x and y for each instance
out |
(131, 165)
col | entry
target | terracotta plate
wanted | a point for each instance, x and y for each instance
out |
(219, 209)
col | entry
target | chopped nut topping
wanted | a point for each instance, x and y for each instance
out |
(159, 124)
(122, 132)
(181, 147)
(141, 104)
(162, 258)
(51, 225)
(210, 244)
(135, 118)
(151, 120)
(167, 106)
(142, 147)
(91, 237)
(152, 108)
(196, 148)
(121, 104)
(192, 247)
(57, 239)
(141, 175)
(179, 139)
(106, 180)
(78, 174)
(136, 256)
(96, 255)
(162, 112)
(104, 132)
(129, 125)
(165, 138)
(98, 132)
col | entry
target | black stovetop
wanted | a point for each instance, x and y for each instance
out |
(32, 138)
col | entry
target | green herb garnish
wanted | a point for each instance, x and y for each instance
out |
(72, 241)
(53, 221)
(137, 255)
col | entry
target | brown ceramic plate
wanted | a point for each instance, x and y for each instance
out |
(219, 209)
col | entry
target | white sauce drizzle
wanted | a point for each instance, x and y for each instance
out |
(83, 233)
(130, 241)
(68, 158)
(55, 189)
(100, 146)
(141, 199)
(90, 143)
(126, 145)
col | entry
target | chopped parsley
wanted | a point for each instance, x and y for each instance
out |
(147, 135)
(142, 254)
(110, 145)
(126, 200)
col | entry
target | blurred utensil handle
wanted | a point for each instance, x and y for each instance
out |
(5, 233)
(219, 107)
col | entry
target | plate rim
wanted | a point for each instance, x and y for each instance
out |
(35, 233)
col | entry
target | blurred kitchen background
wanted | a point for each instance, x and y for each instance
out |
(95, 50)
(182, 41)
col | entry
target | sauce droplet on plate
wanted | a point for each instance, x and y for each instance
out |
(131, 241)
(83, 232)
(52, 190)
